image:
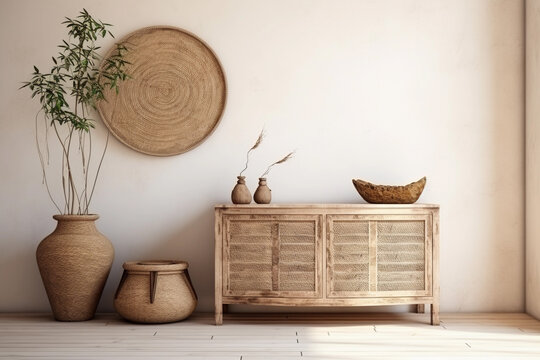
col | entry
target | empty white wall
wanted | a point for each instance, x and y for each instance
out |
(532, 157)
(387, 91)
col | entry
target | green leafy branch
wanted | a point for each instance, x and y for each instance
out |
(69, 91)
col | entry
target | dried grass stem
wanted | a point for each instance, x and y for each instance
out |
(287, 157)
(256, 145)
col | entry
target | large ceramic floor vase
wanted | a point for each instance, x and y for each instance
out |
(74, 262)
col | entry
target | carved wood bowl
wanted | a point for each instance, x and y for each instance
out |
(386, 194)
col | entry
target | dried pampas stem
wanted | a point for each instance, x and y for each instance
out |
(287, 157)
(257, 143)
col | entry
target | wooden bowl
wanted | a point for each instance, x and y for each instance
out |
(386, 194)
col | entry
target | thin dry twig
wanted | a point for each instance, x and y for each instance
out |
(97, 172)
(74, 194)
(64, 185)
(86, 199)
(42, 162)
(287, 157)
(82, 144)
(257, 143)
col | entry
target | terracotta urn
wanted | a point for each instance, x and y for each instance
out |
(156, 291)
(241, 193)
(263, 194)
(74, 262)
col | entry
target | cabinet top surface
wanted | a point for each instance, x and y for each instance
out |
(327, 206)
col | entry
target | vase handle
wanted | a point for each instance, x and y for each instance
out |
(191, 284)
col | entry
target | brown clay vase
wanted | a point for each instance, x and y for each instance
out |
(263, 194)
(74, 262)
(157, 291)
(240, 193)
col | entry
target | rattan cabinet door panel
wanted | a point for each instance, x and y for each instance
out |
(401, 255)
(379, 256)
(274, 256)
(297, 256)
(348, 257)
(250, 255)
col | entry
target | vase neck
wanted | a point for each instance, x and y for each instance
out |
(76, 223)
(262, 181)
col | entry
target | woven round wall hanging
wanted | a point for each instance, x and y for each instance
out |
(174, 98)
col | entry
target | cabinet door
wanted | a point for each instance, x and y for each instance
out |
(347, 257)
(383, 255)
(401, 256)
(274, 256)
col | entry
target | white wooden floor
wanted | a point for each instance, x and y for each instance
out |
(304, 336)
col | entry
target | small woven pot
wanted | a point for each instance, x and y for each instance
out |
(155, 292)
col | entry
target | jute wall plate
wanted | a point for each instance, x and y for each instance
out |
(175, 97)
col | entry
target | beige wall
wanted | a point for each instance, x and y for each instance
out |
(387, 91)
(532, 155)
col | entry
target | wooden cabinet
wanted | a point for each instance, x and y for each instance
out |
(327, 255)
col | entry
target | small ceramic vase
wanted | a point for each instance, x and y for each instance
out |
(240, 193)
(263, 194)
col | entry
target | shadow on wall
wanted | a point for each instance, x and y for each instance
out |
(19, 271)
(192, 242)
(507, 246)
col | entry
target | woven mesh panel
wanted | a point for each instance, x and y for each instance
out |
(400, 255)
(249, 229)
(250, 255)
(350, 251)
(297, 256)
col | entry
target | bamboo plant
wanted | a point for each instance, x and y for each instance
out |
(68, 95)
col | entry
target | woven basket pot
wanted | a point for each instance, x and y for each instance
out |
(74, 262)
(155, 291)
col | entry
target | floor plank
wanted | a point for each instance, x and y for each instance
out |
(274, 336)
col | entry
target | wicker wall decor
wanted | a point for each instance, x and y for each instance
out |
(175, 97)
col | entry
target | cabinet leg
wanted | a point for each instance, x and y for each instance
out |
(219, 312)
(420, 308)
(219, 316)
(435, 314)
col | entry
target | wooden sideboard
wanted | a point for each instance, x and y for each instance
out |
(327, 255)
